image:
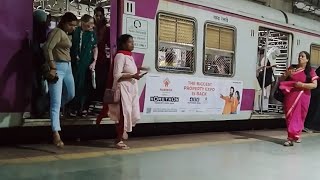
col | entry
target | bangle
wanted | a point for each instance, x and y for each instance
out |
(51, 68)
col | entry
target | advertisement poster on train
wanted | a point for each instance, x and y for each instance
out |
(172, 95)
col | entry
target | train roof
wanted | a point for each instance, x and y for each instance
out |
(258, 11)
(304, 23)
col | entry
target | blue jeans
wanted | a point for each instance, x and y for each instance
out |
(60, 93)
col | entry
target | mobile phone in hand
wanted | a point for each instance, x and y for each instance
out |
(141, 75)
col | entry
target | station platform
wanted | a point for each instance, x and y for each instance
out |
(250, 155)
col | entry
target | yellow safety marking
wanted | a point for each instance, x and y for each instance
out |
(113, 152)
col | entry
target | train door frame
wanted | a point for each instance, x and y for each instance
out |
(283, 62)
(116, 11)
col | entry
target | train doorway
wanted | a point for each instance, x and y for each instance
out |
(272, 61)
(106, 34)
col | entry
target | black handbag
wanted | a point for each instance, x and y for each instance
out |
(278, 95)
(45, 71)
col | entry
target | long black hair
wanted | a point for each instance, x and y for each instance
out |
(66, 18)
(122, 40)
(307, 70)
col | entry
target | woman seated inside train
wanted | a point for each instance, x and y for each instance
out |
(84, 54)
(299, 80)
(59, 77)
(313, 118)
(219, 66)
(169, 61)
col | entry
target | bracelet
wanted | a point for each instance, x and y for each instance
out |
(51, 68)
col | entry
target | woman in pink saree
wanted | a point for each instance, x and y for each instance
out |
(125, 83)
(299, 81)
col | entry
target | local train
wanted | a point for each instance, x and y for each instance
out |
(212, 47)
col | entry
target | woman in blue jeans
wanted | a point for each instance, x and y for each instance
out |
(61, 82)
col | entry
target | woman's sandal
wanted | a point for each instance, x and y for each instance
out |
(57, 141)
(121, 145)
(288, 143)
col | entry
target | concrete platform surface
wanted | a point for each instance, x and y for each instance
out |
(250, 155)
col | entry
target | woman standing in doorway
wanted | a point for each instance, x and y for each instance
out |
(57, 54)
(102, 30)
(299, 81)
(84, 53)
(125, 82)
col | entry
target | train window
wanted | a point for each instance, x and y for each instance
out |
(176, 44)
(315, 55)
(219, 50)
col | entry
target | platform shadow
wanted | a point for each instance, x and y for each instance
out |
(35, 149)
(258, 137)
(93, 144)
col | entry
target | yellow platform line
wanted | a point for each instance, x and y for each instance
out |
(113, 152)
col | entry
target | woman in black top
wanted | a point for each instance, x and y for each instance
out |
(313, 118)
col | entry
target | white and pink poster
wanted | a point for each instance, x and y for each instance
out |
(176, 95)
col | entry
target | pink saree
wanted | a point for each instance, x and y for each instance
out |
(296, 103)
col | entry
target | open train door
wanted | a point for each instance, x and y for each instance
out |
(15, 60)
(273, 59)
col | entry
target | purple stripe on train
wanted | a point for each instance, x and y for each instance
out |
(146, 8)
(247, 102)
